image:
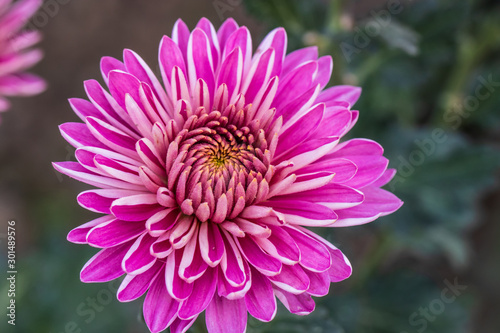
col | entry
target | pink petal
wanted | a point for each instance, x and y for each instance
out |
(79, 234)
(105, 265)
(201, 296)
(159, 308)
(138, 258)
(263, 262)
(378, 202)
(138, 207)
(292, 279)
(200, 63)
(298, 57)
(78, 135)
(114, 233)
(226, 316)
(349, 94)
(300, 130)
(313, 254)
(260, 300)
(134, 286)
(301, 304)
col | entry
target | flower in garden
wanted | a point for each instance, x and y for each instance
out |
(16, 54)
(210, 179)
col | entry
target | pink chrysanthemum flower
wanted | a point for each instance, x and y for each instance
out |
(16, 54)
(209, 181)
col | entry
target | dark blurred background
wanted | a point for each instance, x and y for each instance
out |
(430, 73)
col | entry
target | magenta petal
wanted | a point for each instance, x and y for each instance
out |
(325, 67)
(313, 254)
(319, 283)
(170, 56)
(181, 326)
(224, 289)
(203, 292)
(349, 94)
(138, 258)
(200, 62)
(192, 265)
(336, 122)
(138, 207)
(109, 64)
(302, 304)
(177, 287)
(211, 243)
(333, 196)
(226, 316)
(134, 286)
(341, 268)
(84, 109)
(292, 279)
(112, 137)
(78, 135)
(300, 130)
(226, 29)
(78, 172)
(343, 169)
(280, 245)
(105, 265)
(378, 202)
(100, 200)
(299, 105)
(79, 234)
(180, 35)
(385, 178)
(277, 40)
(260, 300)
(356, 147)
(207, 27)
(159, 308)
(304, 212)
(113, 233)
(240, 39)
(309, 152)
(122, 83)
(231, 72)
(295, 83)
(370, 168)
(258, 76)
(263, 262)
(298, 57)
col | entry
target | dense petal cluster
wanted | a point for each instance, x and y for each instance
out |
(16, 54)
(209, 179)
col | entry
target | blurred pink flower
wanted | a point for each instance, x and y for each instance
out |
(209, 181)
(16, 54)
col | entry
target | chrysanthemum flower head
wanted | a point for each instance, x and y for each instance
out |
(16, 54)
(210, 178)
